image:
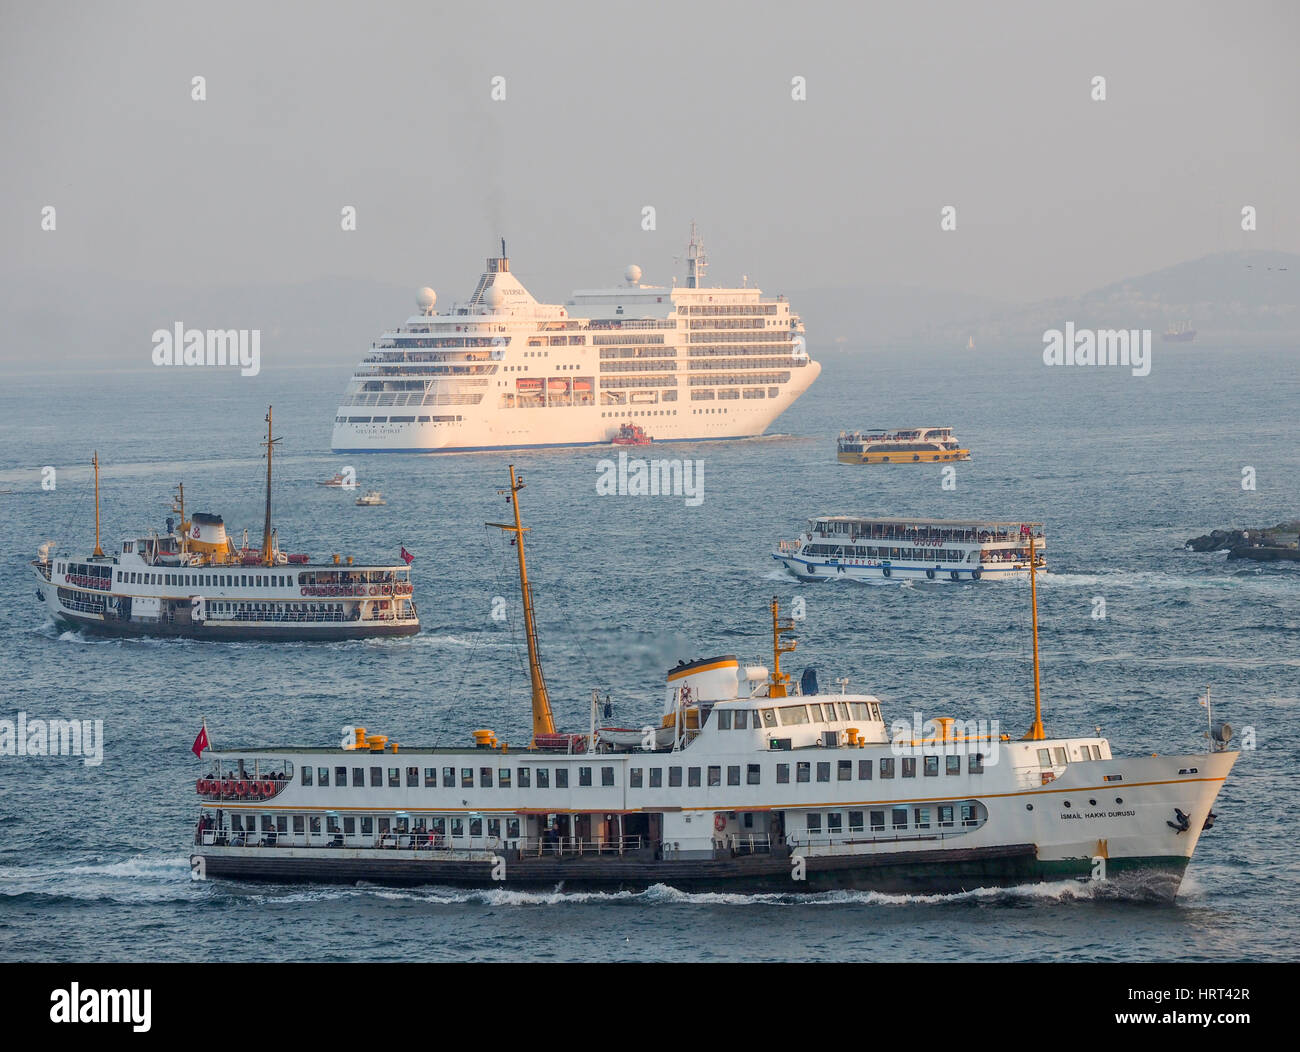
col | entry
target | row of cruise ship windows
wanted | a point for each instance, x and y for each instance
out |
(396, 419)
(641, 412)
(944, 816)
(638, 777)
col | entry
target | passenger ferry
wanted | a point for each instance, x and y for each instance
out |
(744, 781)
(502, 370)
(917, 445)
(836, 547)
(193, 581)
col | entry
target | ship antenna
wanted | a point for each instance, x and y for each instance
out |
(266, 529)
(179, 509)
(1036, 732)
(99, 552)
(776, 688)
(543, 721)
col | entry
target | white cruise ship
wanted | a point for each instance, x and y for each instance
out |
(504, 371)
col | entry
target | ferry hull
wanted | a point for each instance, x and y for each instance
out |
(813, 570)
(234, 634)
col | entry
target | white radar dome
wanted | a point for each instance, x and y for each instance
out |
(494, 297)
(426, 299)
(633, 274)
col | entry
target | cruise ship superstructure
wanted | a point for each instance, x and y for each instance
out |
(502, 370)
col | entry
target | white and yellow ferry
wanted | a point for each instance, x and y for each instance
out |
(913, 445)
(745, 781)
(193, 581)
(846, 547)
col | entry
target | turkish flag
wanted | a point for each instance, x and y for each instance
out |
(201, 742)
(1024, 531)
(407, 556)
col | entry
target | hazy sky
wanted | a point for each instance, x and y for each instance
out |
(611, 107)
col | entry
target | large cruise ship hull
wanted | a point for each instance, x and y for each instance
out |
(524, 428)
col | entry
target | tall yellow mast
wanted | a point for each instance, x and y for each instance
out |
(543, 721)
(99, 552)
(776, 688)
(267, 554)
(178, 506)
(1036, 732)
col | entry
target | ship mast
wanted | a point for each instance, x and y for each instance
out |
(99, 552)
(267, 554)
(543, 721)
(1036, 732)
(776, 688)
(178, 506)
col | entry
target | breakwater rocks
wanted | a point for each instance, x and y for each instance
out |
(1280, 543)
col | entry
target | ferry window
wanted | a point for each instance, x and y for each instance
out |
(438, 825)
(656, 777)
(306, 775)
(899, 817)
(561, 778)
(281, 824)
(715, 776)
(823, 771)
(340, 776)
(476, 827)
(448, 777)
(742, 719)
(525, 780)
(584, 776)
(724, 719)
(300, 824)
(675, 777)
(503, 778)
(864, 770)
(855, 821)
(877, 821)
(752, 774)
(909, 766)
(733, 774)
(921, 816)
(945, 816)
(412, 777)
(844, 710)
(607, 776)
(634, 778)
(1061, 758)
(543, 778)
(376, 777)
(314, 824)
(431, 778)
(394, 777)
(932, 767)
(458, 827)
(834, 823)
(382, 827)
(485, 777)
(802, 771)
(769, 717)
(494, 827)
(693, 777)
(814, 823)
(976, 764)
(783, 773)
(512, 828)
(467, 777)
(792, 714)
(1044, 757)
(844, 771)
(968, 815)
(952, 764)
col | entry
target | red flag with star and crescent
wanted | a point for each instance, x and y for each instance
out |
(201, 742)
(407, 556)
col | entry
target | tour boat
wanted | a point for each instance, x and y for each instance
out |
(745, 781)
(192, 580)
(844, 547)
(370, 499)
(915, 445)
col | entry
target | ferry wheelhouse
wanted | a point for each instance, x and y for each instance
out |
(846, 547)
(917, 445)
(193, 581)
(745, 780)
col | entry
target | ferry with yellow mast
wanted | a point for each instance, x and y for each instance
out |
(193, 581)
(913, 445)
(745, 781)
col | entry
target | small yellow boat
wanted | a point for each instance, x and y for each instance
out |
(914, 445)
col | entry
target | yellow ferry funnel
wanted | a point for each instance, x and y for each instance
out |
(349, 560)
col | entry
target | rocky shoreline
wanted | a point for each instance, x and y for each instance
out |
(1280, 543)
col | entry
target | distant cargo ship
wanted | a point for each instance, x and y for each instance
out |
(1180, 333)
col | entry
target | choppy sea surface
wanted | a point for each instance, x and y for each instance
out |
(1122, 469)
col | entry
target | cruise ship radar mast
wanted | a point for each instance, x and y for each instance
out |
(776, 688)
(268, 555)
(543, 721)
(1036, 732)
(696, 261)
(99, 552)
